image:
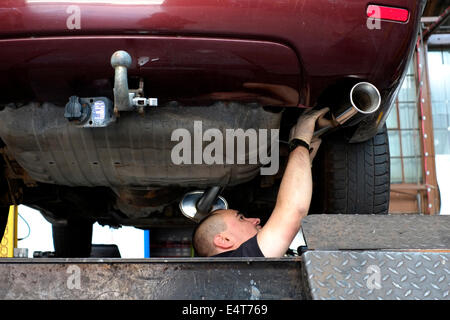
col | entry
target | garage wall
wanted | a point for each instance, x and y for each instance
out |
(439, 76)
(404, 134)
(410, 191)
(407, 188)
(35, 234)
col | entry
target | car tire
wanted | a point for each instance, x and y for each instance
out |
(353, 178)
(4, 213)
(73, 240)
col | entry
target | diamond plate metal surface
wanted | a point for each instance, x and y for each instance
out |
(369, 232)
(382, 275)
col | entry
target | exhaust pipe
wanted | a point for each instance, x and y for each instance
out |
(364, 98)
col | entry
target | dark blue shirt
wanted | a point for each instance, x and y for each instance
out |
(249, 248)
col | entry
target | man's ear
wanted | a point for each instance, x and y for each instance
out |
(223, 242)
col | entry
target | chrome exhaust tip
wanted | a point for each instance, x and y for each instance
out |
(363, 98)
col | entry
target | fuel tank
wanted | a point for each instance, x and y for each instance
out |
(142, 151)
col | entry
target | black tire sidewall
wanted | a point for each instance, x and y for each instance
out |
(352, 178)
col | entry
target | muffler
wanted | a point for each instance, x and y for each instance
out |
(363, 99)
(197, 205)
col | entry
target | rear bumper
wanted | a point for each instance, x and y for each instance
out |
(54, 68)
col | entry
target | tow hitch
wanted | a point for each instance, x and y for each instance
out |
(101, 111)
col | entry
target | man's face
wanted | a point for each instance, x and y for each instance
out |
(238, 226)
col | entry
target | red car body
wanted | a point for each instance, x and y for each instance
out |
(192, 52)
(201, 48)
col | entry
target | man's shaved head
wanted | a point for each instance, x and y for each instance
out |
(223, 230)
(203, 240)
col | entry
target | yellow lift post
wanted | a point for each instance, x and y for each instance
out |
(9, 241)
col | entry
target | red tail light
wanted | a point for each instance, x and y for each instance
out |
(387, 13)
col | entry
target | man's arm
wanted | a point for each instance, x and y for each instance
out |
(294, 195)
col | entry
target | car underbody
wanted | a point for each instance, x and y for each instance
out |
(190, 71)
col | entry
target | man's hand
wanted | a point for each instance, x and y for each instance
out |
(304, 129)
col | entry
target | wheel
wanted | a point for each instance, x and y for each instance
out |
(352, 178)
(4, 212)
(73, 240)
